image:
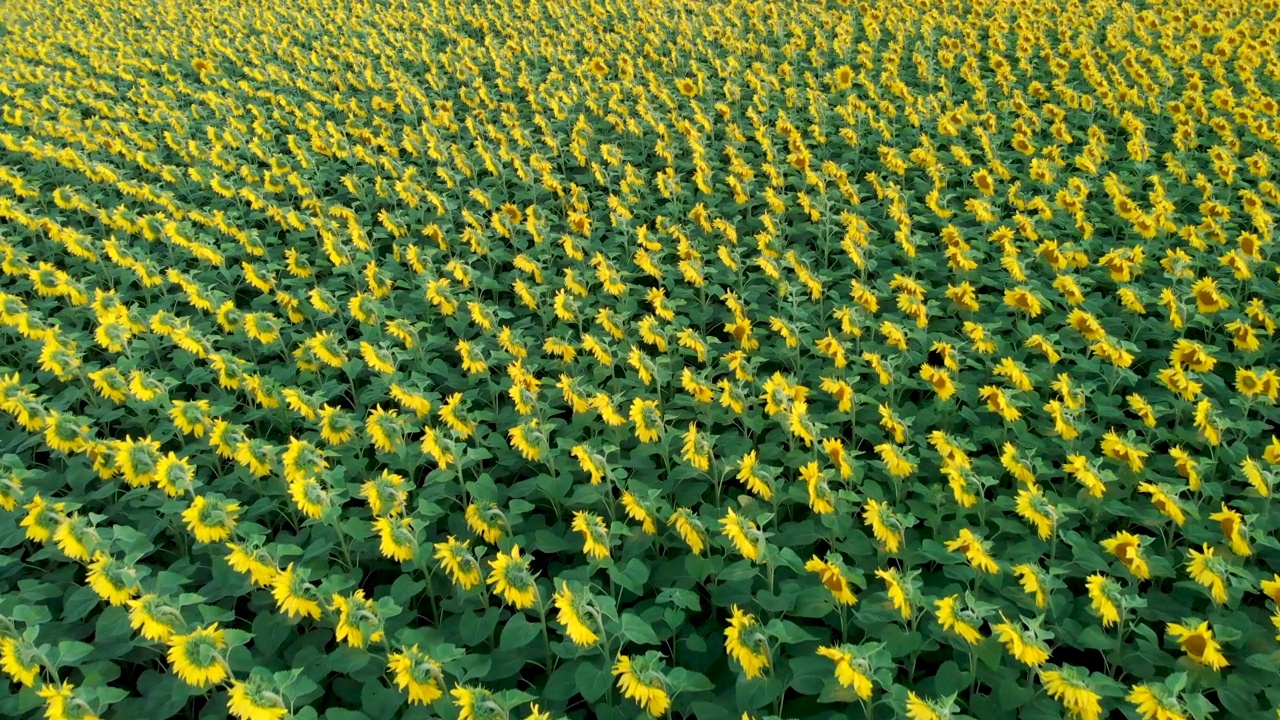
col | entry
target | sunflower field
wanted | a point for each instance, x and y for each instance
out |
(722, 359)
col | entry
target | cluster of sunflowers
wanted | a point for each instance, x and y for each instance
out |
(598, 358)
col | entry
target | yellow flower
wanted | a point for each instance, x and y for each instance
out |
(641, 679)
(831, 574)
(1032, 582)
(575, 614)
(637, 511)
(1208, 299)
(895, 462)
(418, 674)
(252, 701)
(898, 593)
(62, 702)
(748, 474)
(358, 621)
(851, 671)
(449, 413)
(396, 540)
(745, 536)
(488, 522)
(511, 578)
(696, 448)
(595, 536)
(192, 418)
(260, 568)
(689, 528)
(587, 460)
(884, 524)
(75, 537)
(1103, 592)
(112, 580)
(975, 551)
(1186, 466)
(1070, 687)
(939, 379)
(1210, 571)
(294, 595)
(1271, 588)
(1166, 503)
(946, 609)
(1024, 646)
(834, 450)
(1198, 644)
(197, 657)
(647, 418)
(1154, 702)
(746, 642)
(1127, 548)
(920, 709)
(151, 615)
(18, 660)
(1233, 530)
(1032, 505)
(821, 499)
(211, 518)
(1116, 448)
(456, 558)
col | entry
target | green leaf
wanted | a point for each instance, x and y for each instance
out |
(683, 680)
(405, 588)
(517, 633)
(592, 679)
(346, 660)
(475, 629)
(69, 651)
(270, 631)
(343, 714)
(631, 576)
(636, 630)
(79, 602)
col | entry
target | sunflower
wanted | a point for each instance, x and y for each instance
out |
(884, 523)
(255, 700)
(745, 536)
(1127, 548)
(1104, 598)
(1023, 644)
(1155, 702)
(254, 562)
(1071, 687)
(1198, 643)
(20, 660)
(154, 617)
(831, 574)
(899, 589)
(197, 658)
(211, 518)
(417, 674)
(689, 528)
(358, 620)
(595, 536)
(640, 678)
(1233, 529)
(1210, 571)
(457, 559)
(576, 613)
(294, 595)
(746, 641)
(512, 579)
(951, 616)
(851, 671)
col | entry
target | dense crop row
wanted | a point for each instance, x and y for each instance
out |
(530, 359)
